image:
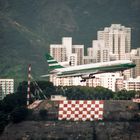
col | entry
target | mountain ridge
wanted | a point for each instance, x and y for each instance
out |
(27, 28)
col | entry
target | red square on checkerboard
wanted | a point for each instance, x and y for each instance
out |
(89, 105)
(60, 102)
(77, 102)
(100, 109)
(60, 116)
(96, 112)
(60, 109)
(92, 102)
(96, 105)
(72, 105)
(101, 102)
(76, 115)
(85, 102)
(65, 105)
(68, 115)
(76, 109)
(84, 109)
(92, 109)
(69, 109)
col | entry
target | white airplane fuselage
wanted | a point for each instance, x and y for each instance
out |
(89, 70)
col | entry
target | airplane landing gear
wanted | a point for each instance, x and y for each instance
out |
(83, 80)
(122, 74)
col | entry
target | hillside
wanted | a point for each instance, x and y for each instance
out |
(27, 27)
(119, 122)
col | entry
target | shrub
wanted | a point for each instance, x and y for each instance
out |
(19, 114)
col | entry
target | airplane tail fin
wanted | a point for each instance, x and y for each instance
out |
(53, 64)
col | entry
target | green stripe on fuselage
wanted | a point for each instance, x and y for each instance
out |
(52, 62)
(55, 67)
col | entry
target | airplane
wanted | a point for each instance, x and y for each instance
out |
(86, 71)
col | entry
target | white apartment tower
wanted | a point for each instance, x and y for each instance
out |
(100, 52)
(6, 87)
(117, 38)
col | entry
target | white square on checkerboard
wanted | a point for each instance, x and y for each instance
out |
(100, 105)
(60, 112)
(76, 112)
(64, 116)
(88, 116)
(91, 119)
(88, 102)
(80, 115)
(96, 102)
(68, 118)
(92, 112)
(93, 105)
(73, 108)
(61, 105)
(85, 105)
(68, 112)
(97, 109)
(81, 102)
(89, 108)
(100, 112)
(65, 102)
(76, 119)
(84, 119)
(80, 108)
(77, 106)
(84, 112)
(96, 116)
(73, 102)
(72, 116)
(69, 105)
(65, 108)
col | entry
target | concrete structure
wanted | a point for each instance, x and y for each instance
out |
(6, 87)
(112, 81)
(58, 98)
(132, 84)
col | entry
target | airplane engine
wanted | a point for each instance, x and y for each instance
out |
(87, 76)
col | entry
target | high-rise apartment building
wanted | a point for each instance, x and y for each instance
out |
(79, 50)
(100, 52)
(6, 87)
(58, 52)
(117, 38)
(136, 70)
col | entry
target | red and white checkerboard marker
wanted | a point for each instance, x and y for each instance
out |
(81, 110)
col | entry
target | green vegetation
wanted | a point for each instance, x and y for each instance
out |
(13, 106)
(43, 113)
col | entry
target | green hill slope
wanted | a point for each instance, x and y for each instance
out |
(27, 27)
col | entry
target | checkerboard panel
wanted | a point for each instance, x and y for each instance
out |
(81, 110)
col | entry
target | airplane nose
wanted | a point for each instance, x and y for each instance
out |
(133, 65)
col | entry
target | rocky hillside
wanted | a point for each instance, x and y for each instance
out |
(120, 122)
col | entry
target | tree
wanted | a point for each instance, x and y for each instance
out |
(19, 114)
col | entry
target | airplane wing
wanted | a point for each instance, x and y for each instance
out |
(47, 75)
